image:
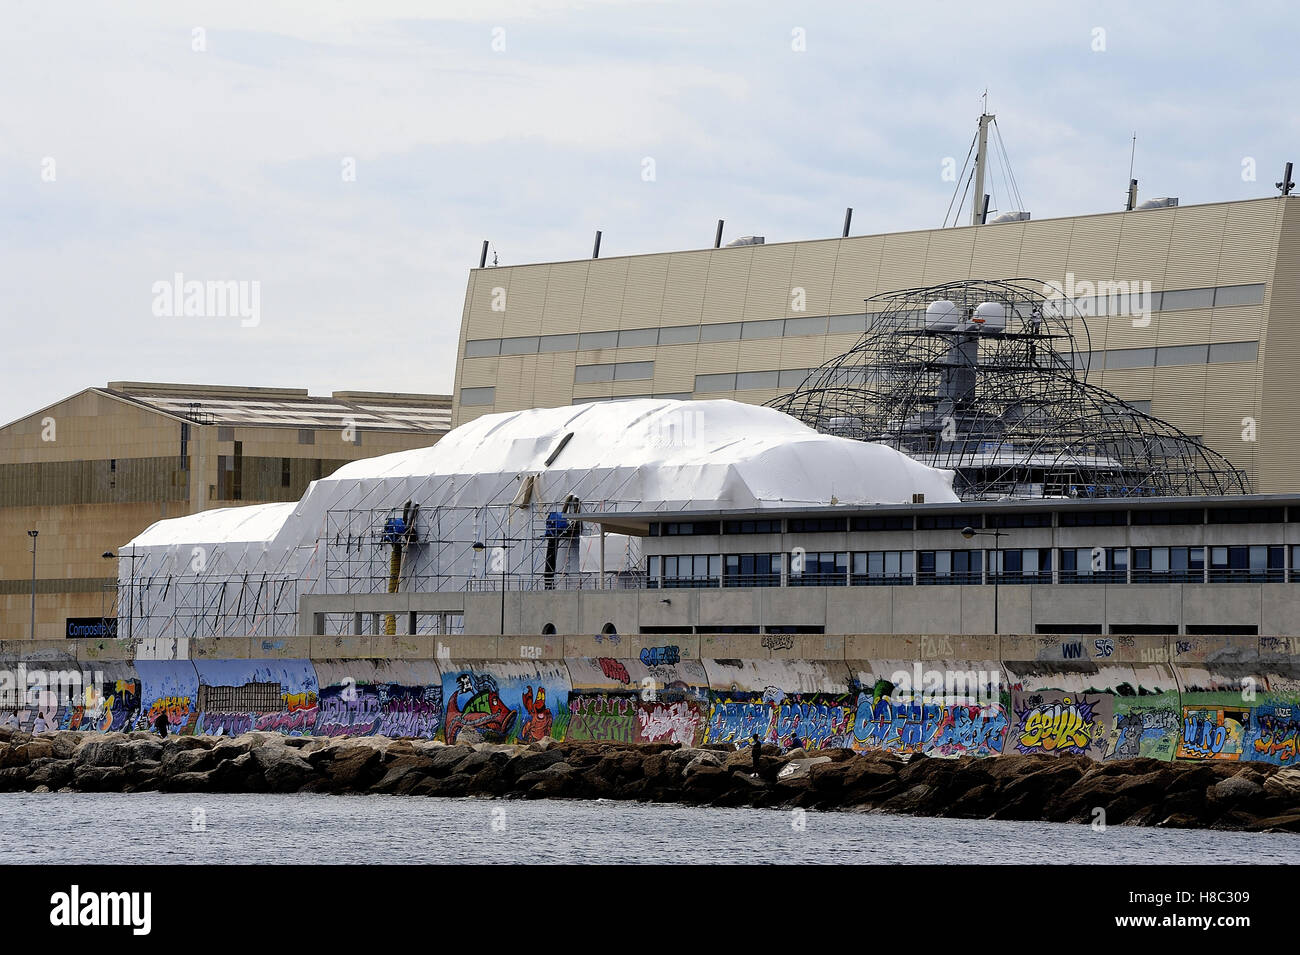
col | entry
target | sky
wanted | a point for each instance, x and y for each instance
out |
(343, 161)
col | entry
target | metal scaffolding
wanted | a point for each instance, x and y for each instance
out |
(988, 378)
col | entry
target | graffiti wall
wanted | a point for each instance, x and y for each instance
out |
(168, 688)
(1194, 699)
(941, 707)
(780, 701)
(235, 696)
(505, 701)
(654, 697)
(379, 698)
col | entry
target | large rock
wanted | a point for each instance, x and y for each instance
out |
(1233, 792)
(1285, 784)
(351, 769)
(95, 779)
(402, 775)
(54, 773)
(108, 750)
(282, 768)
(703, 760)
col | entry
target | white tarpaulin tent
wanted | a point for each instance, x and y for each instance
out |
(498, 478)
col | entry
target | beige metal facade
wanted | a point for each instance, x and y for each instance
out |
(744, 322)
(92, 471)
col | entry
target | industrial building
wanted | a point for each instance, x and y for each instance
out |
(90, 472)
(1210, 349)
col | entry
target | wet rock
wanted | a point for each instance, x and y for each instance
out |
(51, 772)
(281, 766)
(1233, 791)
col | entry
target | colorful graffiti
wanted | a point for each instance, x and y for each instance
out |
(1213, 733)
(483, 711)
(597, 717)
(1115, 710)
(1275, 734)
(679, 722)
(1061, 723)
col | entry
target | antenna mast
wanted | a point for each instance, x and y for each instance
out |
(981, 165)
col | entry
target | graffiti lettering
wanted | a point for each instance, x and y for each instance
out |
(614, 670)
(660, 656)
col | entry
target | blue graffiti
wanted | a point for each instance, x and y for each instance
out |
(660, 656)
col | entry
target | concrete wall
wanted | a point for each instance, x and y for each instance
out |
(1107, 697)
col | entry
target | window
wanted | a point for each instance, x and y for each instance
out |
(225, 433)
(691, 570)
(588, 374)
(728, 332)
(948, 522)
(597, 340)
(1022, 565)
(1072, 628)
(483, 348)
(882, 568)
(792, 377)
(1182, 354)
(1035, 519)
(554, 343)
(679, 335)
(816, 525)
(1187, 298)
(757, 379)
(637, 337)
(308, 436)
(839, 324)
(1257, 563)
(1234, 351)
(711, 383)
(824, 569)
(1093, 518)
(1246, 515)
(1128, 358)
(1226, 295)
(634, 370)
(688, 528)
(890, 522)
(752, 570)
(752, 527)
(805, 326)
(608, 629)
(765, 329)
(519, 346)
(1162, 518)
(1093, 565)
(284, 472)
(548, 630)
(950, 567)
(478, 396)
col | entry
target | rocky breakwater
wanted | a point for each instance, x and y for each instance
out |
(1220, 795)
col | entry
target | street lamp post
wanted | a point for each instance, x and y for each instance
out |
(997, 535)
(130, 591)
(481, 547)
(32, 535)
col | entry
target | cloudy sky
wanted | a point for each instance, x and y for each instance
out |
(351, 155)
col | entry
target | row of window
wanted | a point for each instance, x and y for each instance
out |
(1115, 359)
(1172, 300)
(928, 522)
(1215, 564)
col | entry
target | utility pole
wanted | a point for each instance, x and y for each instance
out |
(32, 535)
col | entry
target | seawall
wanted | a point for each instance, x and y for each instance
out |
(1065, 788)
(1175, 700)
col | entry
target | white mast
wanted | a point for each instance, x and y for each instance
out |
(981, 163)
